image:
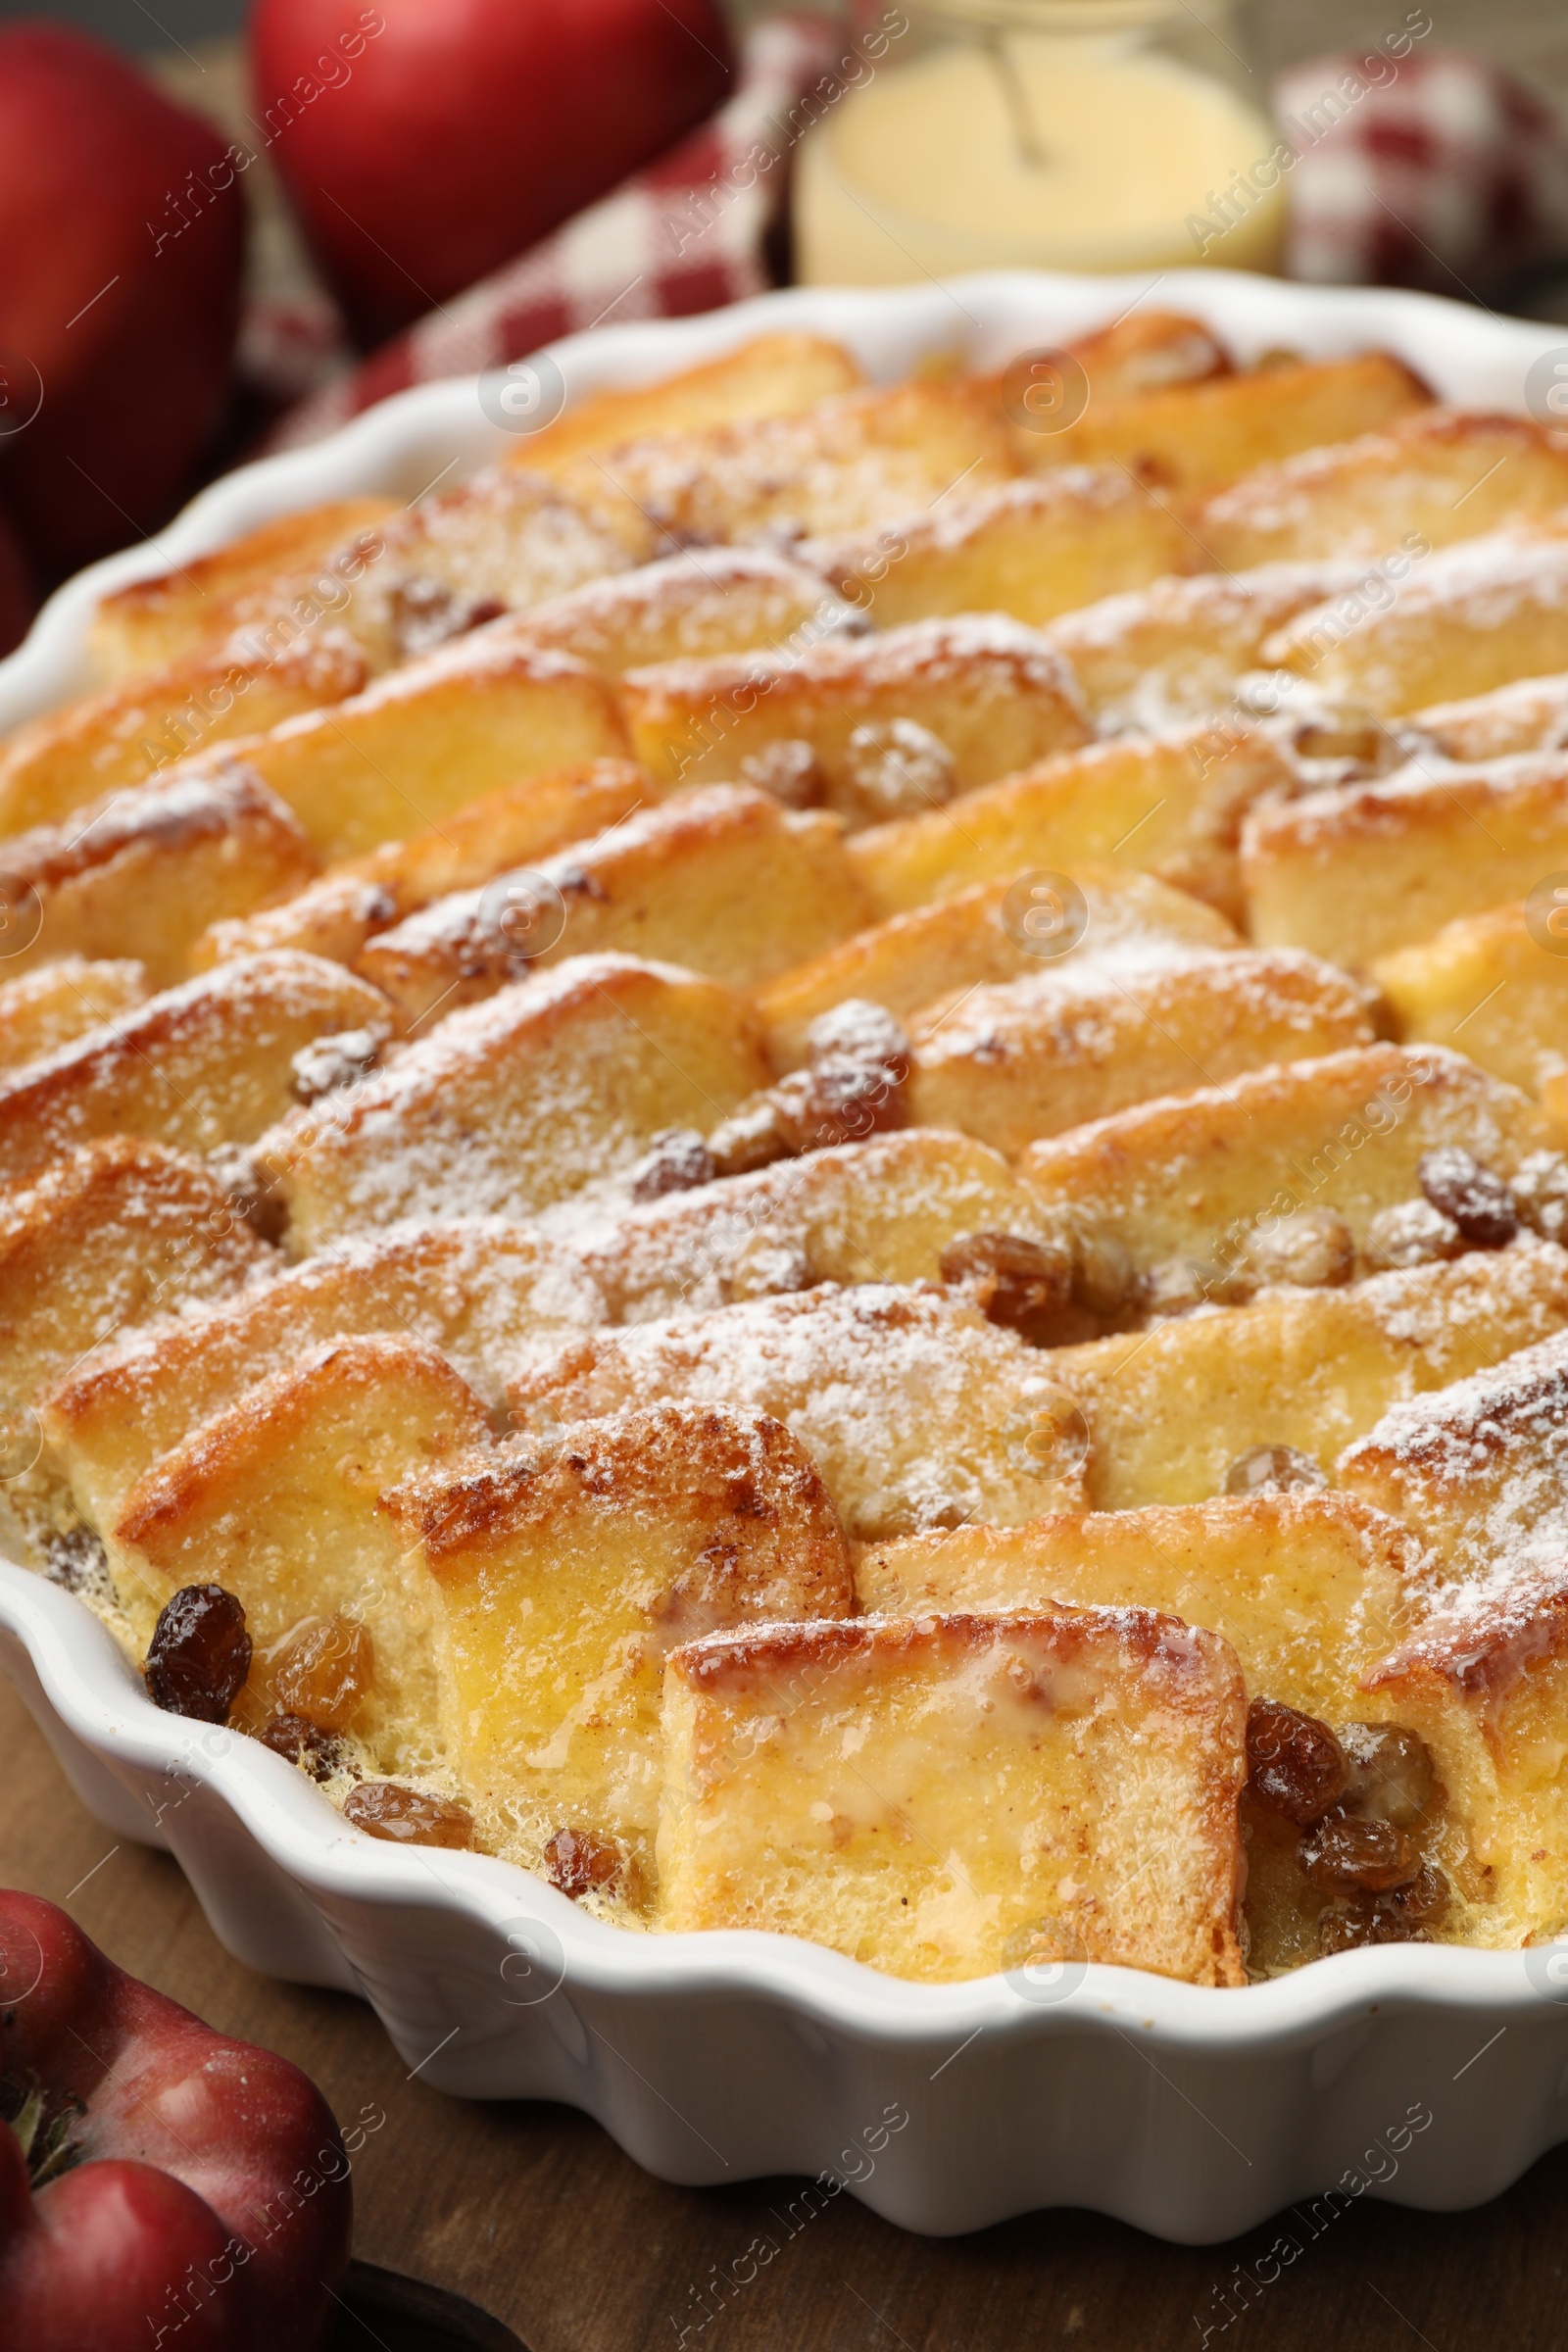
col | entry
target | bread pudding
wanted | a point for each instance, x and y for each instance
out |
(808, 1160)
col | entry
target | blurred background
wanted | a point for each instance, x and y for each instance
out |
(229, 225)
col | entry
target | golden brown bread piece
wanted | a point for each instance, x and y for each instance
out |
(841, 464)
(916, 1410)
(70, 757)
(1427, 627)
(106, 1237)
(990, 692)
(1485, 1684)
(421, 742)
(1528, 714)
(1308, 1589)
(362, 896)
(1171, 1412)
(1173, 653)
(277, 1497)
(140, 873)
(151, 623)
(1025, 1058)
(549, 1091)
(487, 1295)
(1358, 870)
(689, 607)
(1194, 437)
(1220, 1176)
(566, 1573)
(1034, 548)
(1083, 1727)
(1167, 804)
(881, 1210)
(721, 880)
(1479, 1469)
(1492, 984)
(1000, 930)
(1443, 473)
(209, 1063)
(772, 375)
(46, 1008)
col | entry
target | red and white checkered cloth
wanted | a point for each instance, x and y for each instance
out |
(686, 234)
(1445, 172)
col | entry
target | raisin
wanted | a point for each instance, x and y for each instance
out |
(1103, 1278)
(1274, 1470)
(763, 1130)
(1411, 1234)
(200, 1653)
(581, 1865)
(895, 767)
(1314, 1249)
(1295, 1765)
(1478, 1202)
(790, 770)
(1540, 1192)
(303, 1742)
(324, 1671)
(1175, 1287)
(1019, 1283)
(859, 1067)
(1356, 1849)
(1391, 1772)
(676, 1160)
(407, 1816)
(1404, 1915)
(765, 1269)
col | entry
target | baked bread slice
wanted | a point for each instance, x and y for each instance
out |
(566, 1573)
(211, 1062)
(52, 1005)
(916, 1409)
(278, 1498)
(722, 880)
(485, 1295)
(820, 1780)
(546, 1094)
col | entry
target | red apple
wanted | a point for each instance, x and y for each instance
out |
(122, 244)
(423, 142)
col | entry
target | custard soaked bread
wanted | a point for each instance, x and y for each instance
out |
(820, 1142)
(565, 1571)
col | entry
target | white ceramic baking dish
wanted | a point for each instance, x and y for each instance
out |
(1426, 2075)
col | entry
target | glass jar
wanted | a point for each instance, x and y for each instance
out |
(1068, 134)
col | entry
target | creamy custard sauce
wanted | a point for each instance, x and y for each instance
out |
(924, 169)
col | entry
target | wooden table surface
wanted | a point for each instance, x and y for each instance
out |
(534, 2213)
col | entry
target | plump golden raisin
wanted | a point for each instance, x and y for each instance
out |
(1410, 1233)
(324, 1671)
(303, 1742)
(1540, 1188)
(200, 1653)
(1274, 1470)
(676, 1160)
(1018, 1283)
(581, 1865)
(789, 770)
(1347, 1851)
(1404, 1915)
(407, 1816)
(1478, 1202)
(1295, 1765)
(1314, 1249)
(1391, 1772)
(1104, 1280)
